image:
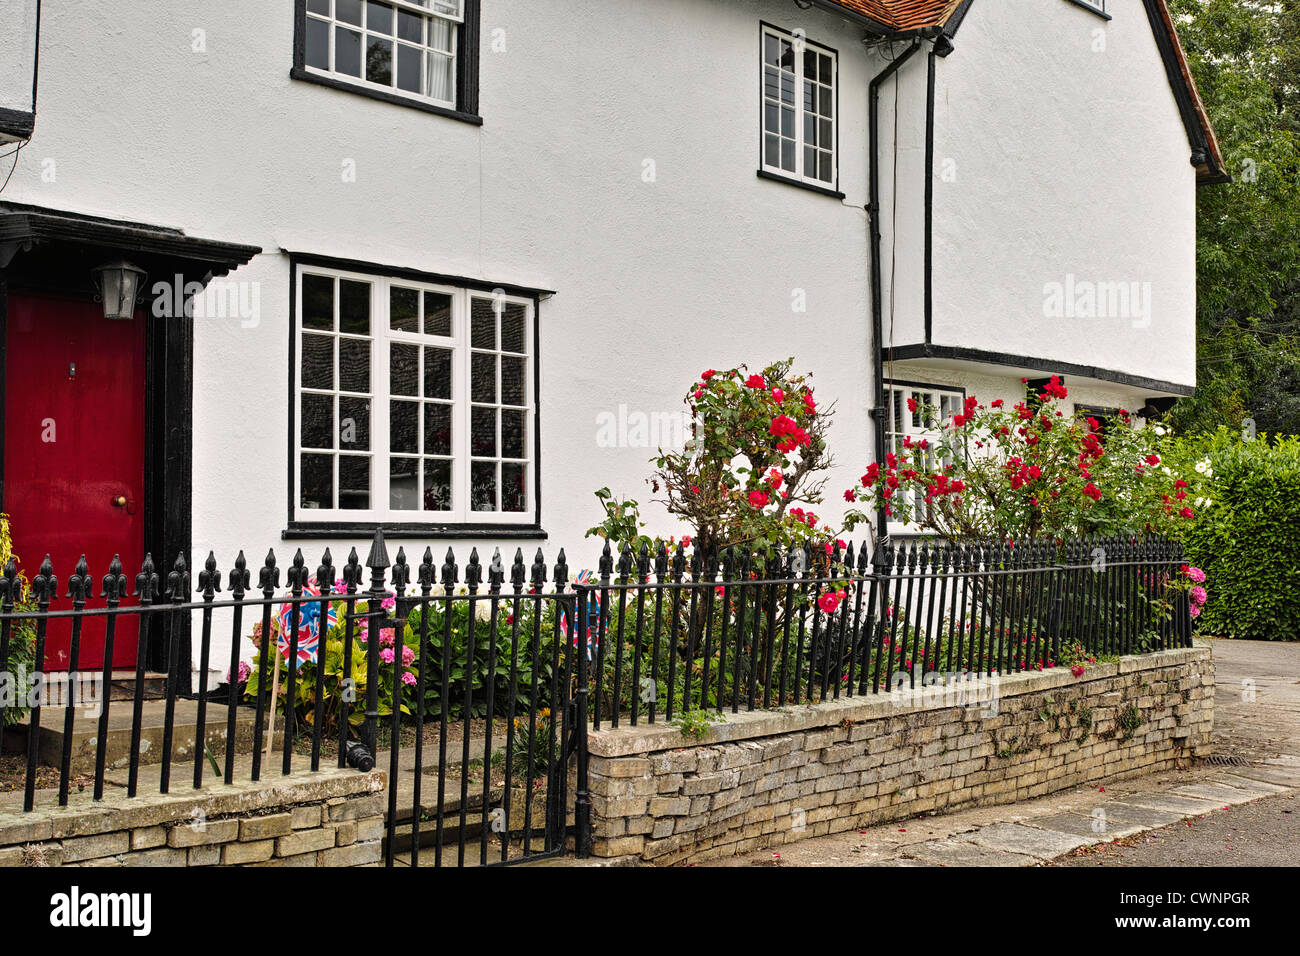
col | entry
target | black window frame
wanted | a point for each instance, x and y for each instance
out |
(1094, 6)
(467, 68)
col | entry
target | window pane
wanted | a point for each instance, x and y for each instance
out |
(772, 155)
(437, 373)
(440, 32)
(771, 117)
(354, 424)
(826, 171)
(483, 432)
(318, 303)
(354, 307)
(787, 155)
(772, 83)
(347, 52)
(483, 486)
(771, 49)
(512, 327)
(513, 434)
(437, 429)
(349, 11)
(483, 378)
(410, 26)
(787, 122)
(410, 67)
(437, 314)
(512, 381)
(483, 324)
(317, 421)
(379, 17)
(827, 102)
(404, 309)
(810, 161)
(787, 89)
(437, 485)
(404, 484)
(318, 43)
(403, 427)
(514, 488)
(354, 365)
(404, 377)
(826, 71)
(319, 6)
(440, 85)
(379, 61)
(317, 481)
(317, 361)
(354, 482)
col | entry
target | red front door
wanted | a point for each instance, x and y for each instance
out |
(74, 454)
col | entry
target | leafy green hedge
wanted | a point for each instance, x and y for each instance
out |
(1248, 539)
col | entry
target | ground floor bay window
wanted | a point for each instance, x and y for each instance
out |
(907, 426)
(415, 403)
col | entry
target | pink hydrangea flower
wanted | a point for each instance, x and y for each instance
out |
(387, 655)
(1199, 594)
(1196, 574)
(408, 679)
(1196, 610)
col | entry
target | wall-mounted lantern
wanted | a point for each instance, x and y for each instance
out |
(119, 284)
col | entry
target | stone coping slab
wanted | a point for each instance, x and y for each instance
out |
(85, 817)
(627, 741)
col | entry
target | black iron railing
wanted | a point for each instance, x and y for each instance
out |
(486, 670)
(476, 692)
(744, 630)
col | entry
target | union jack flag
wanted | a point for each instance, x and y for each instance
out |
(593, 614)
(309, 626)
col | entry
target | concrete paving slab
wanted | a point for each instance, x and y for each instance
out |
(1024, 840)
(1141, 816)
(1096, 828)
(1246, 780)
(1183, 806)
(1221, 794)
(964, 853)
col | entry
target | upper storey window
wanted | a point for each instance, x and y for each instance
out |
(422, 52)
(799, 108)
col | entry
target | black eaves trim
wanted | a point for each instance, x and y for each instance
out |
(903, 353)
(17, 123)
(305, 530)
(821, 190)
(336, 84)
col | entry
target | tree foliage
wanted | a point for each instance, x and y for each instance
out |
(1245, 56)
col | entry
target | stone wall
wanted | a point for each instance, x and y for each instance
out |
(765, 778)
(332, 818)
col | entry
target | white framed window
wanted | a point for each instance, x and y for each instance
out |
(414, 402)
(800, 87)
(406, 48)
(904, 424)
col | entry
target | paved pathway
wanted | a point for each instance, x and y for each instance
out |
(1257, 728)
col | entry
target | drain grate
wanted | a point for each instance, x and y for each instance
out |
(1225, 760)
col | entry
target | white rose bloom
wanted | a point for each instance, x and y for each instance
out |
(1160, 430)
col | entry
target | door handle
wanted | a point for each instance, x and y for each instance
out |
(122, 501)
